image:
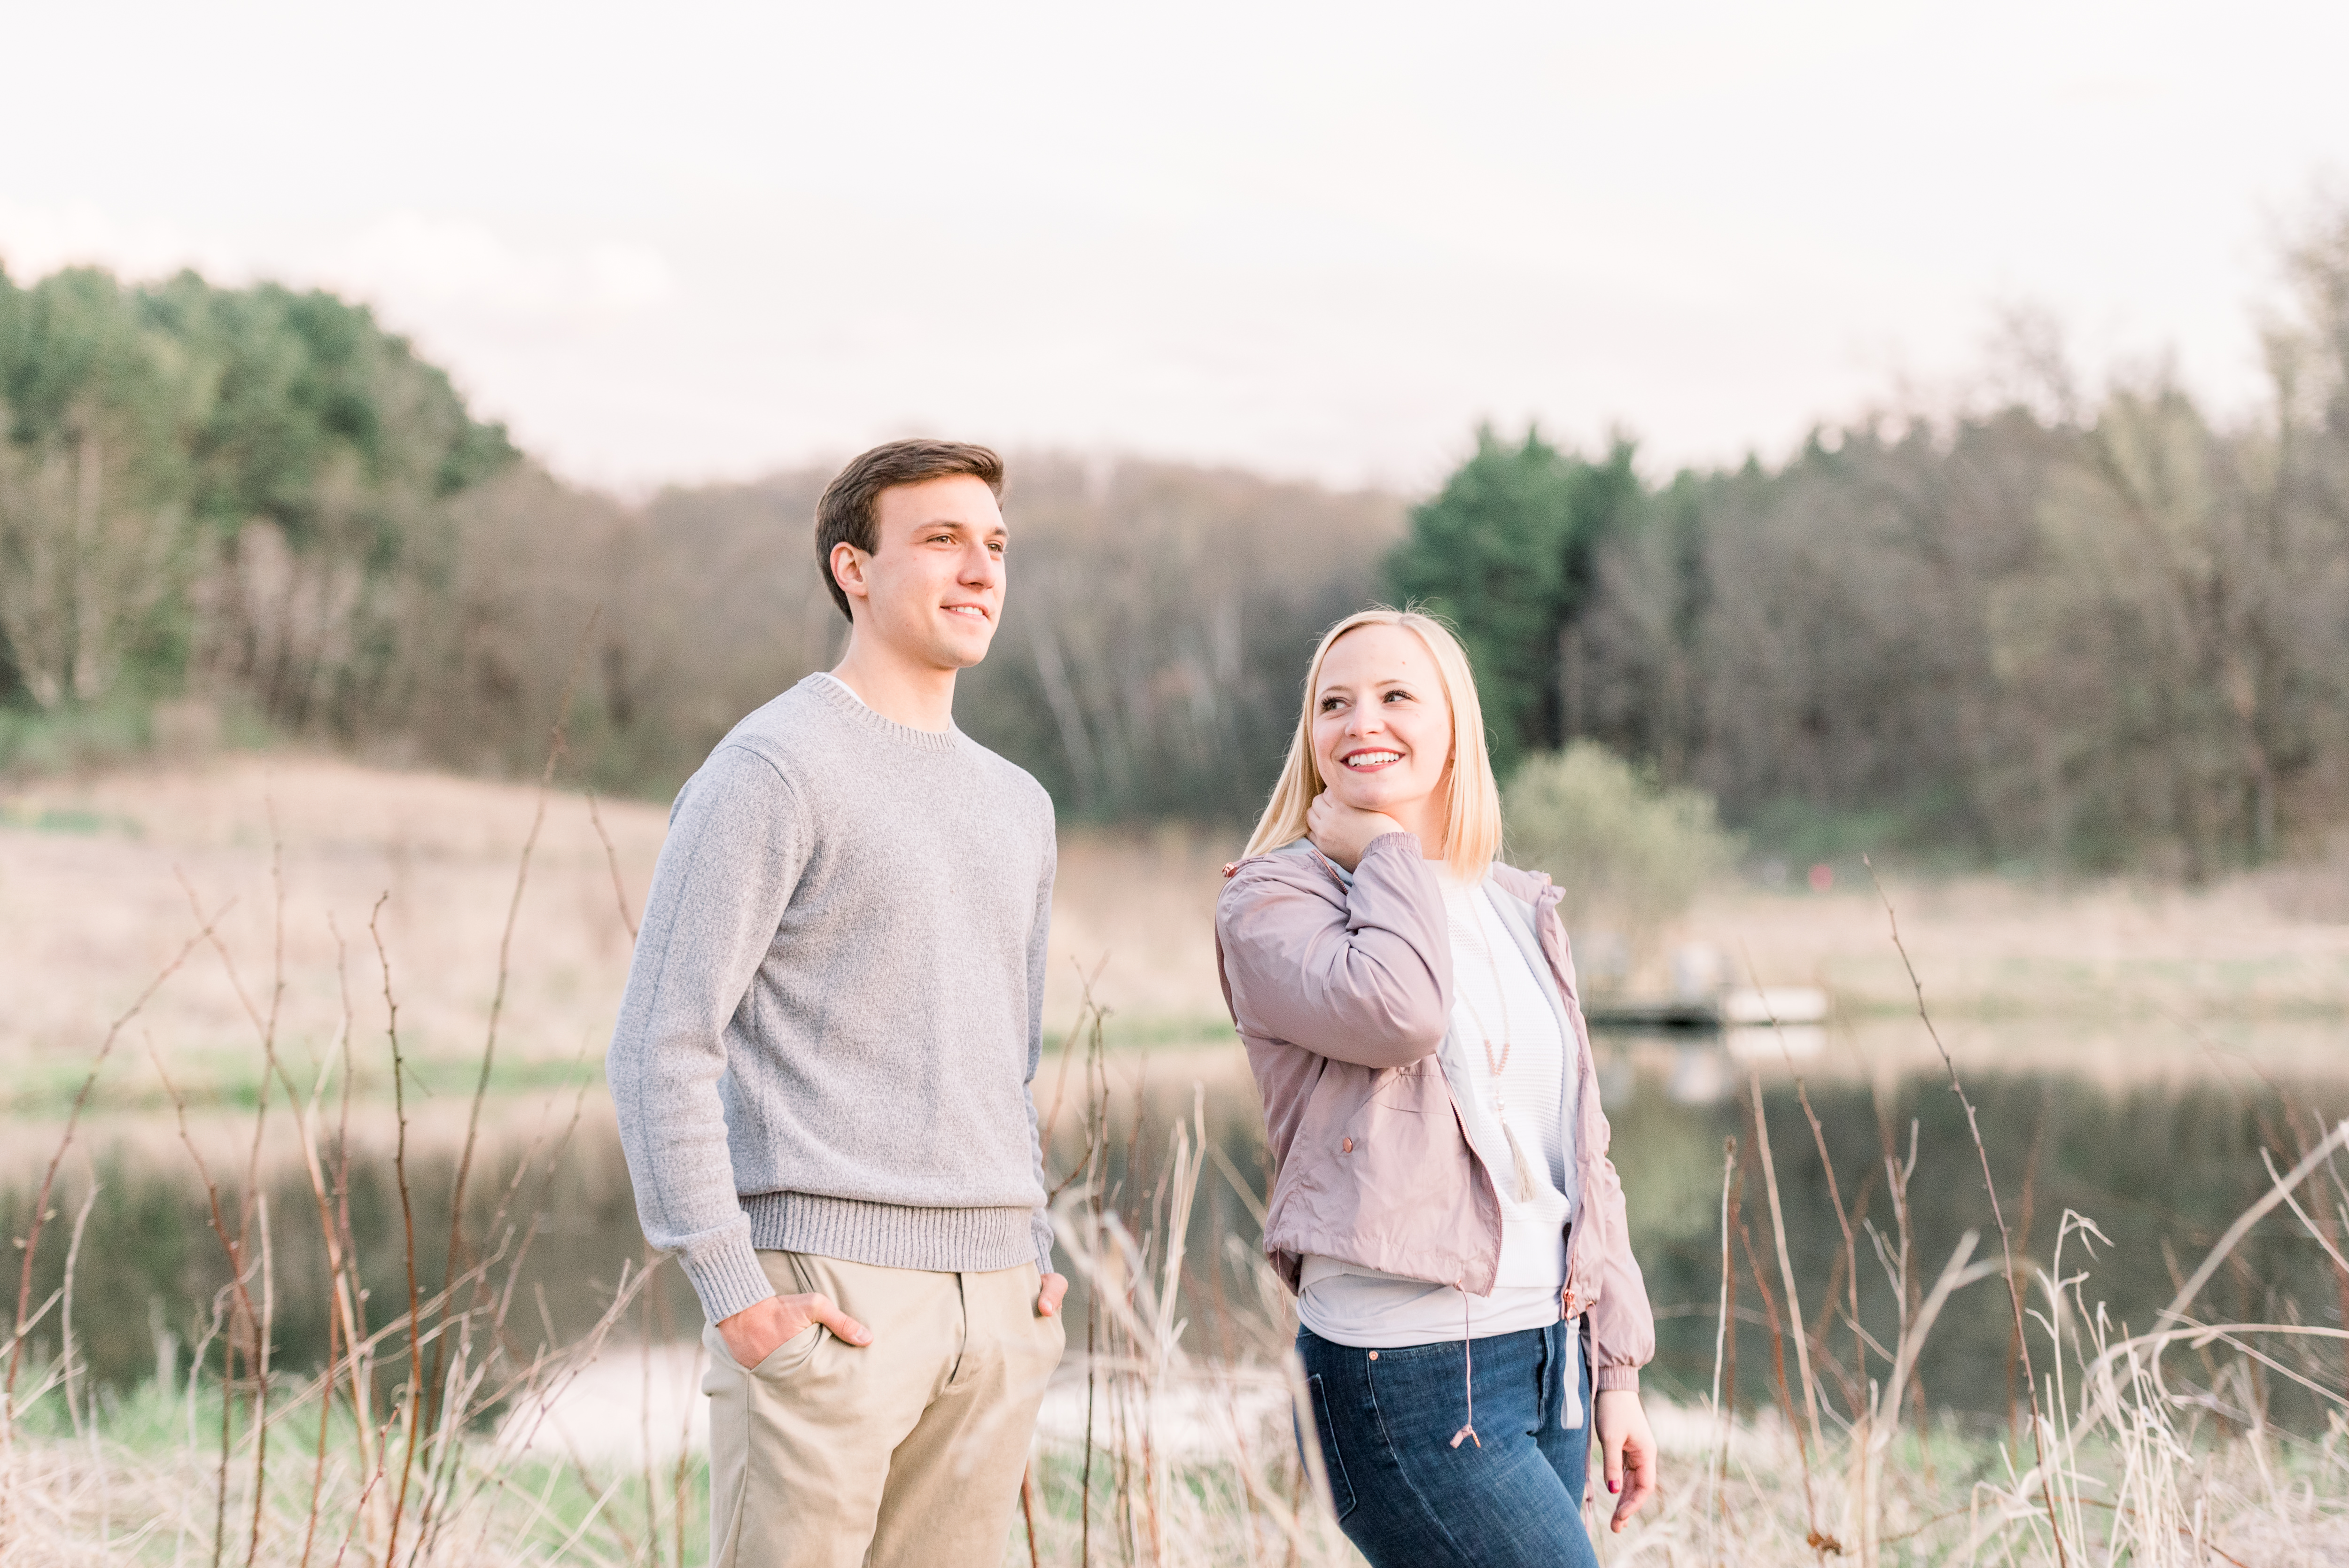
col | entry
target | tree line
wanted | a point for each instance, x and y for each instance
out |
(2072, 629)
(260, 501)
(2061, 629)
(232, 490)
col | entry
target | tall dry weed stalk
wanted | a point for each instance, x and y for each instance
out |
(409, 1464)
(412, 1446)
(1176, 1458)
(2122, 1465)
(2130, 1459)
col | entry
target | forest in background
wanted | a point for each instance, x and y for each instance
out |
(2058, 627)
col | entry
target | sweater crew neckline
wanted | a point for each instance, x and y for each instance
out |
(835, 693)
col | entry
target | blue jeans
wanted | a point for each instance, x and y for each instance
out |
(1407, 1498)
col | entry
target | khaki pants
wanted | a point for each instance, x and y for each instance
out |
(907, 1450)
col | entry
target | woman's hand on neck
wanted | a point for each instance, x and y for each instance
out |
(1342, 832)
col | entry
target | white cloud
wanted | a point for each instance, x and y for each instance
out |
(417, 263)
(732, 235)
(404, 261)
(35, 241)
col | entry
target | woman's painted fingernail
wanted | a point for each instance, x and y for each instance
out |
(1614, 1486)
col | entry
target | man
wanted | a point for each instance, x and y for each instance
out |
(824, 1059)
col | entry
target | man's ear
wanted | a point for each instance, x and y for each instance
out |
(847, 566)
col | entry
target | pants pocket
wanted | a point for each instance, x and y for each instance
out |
(1341, 1490)
(792, 1354)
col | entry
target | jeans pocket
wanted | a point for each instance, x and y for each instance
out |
(1341, 1491)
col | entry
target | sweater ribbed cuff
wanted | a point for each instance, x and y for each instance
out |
(727, 1277)
(891, 1235)
(1609, 1377)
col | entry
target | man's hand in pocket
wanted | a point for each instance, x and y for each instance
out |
(753, 1334)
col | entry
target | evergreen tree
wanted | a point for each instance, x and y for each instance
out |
(1506, 553)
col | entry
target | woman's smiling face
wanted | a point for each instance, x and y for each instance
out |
(1382, 726)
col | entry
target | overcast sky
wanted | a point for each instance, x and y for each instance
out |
(691, 241)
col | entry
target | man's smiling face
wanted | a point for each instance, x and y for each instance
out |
(932, 588)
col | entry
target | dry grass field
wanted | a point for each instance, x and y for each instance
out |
(99, 880)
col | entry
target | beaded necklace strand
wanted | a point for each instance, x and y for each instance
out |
(1497, 1065)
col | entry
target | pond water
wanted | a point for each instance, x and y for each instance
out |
(2161, 1166)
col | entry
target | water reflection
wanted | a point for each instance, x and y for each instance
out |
(2161, 1168)
(560, 1221)
(1701, 1075)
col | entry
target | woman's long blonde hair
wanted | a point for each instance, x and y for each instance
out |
(1472, 836)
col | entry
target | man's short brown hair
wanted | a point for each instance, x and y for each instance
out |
(845, 515)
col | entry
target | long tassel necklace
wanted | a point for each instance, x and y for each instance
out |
(1496, 1064)
(1499, 1064)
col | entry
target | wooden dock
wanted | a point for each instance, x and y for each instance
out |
(1737, 1007)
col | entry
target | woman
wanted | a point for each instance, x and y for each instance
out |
(1445, 1209)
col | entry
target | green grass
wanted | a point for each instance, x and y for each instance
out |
(1121, 1033)
(230, 1080)
(77, 821)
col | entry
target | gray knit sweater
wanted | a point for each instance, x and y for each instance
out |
(835, 1013)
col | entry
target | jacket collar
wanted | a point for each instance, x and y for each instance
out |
(1524, 921)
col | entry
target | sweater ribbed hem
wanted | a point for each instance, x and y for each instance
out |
(893, 1235)
(727, 1277)
(833, 693)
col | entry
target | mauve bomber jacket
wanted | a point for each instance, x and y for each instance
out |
(1341, 990)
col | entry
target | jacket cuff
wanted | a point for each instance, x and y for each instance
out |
(1613, 1377)
(1402, 841)
(727, 1277)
